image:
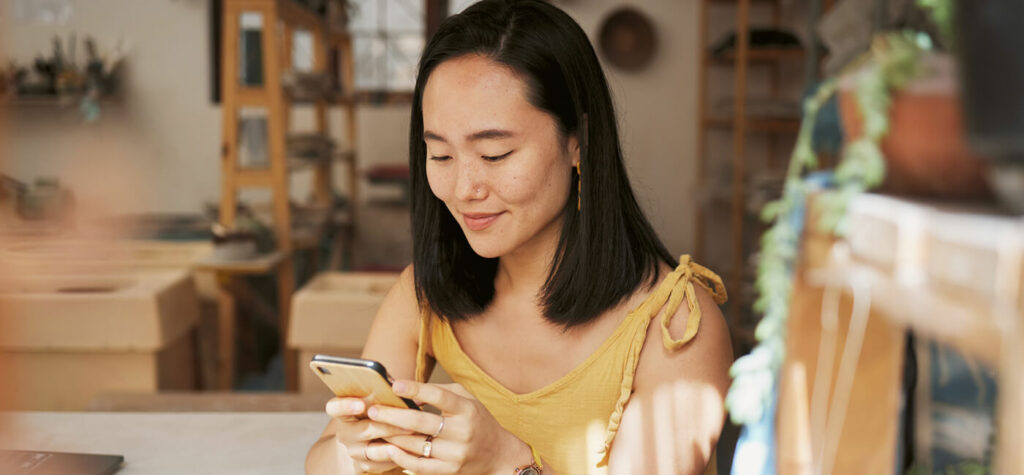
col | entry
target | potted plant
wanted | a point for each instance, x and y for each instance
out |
(897, 93)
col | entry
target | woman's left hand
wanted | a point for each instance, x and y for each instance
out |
(470, 441)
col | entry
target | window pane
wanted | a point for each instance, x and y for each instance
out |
(456, 6)
(252, 138)
(364, 15)
(388, 37)
(302, 50)
(403, 56)
(250, 49)
(370, 56)
(404, 16)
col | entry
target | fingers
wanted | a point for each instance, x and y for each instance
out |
(439, 448)
(371, 457)
(346, 407)
(376, 452)
(364, 430)
(417, 464)
(436, 395)
(409, 419)
(377, 430)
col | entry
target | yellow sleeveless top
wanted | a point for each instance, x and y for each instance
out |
(572, 422)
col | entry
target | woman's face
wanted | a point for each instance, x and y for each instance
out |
(496, 161)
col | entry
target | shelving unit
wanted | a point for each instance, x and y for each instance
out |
(277, 22)
(769, 125)
(740, 58)
(740, 123)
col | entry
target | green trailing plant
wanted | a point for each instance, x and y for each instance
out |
(892, 62)
(894, 59)
(942, 15)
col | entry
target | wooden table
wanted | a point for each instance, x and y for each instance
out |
(952, 274)
(173, 443)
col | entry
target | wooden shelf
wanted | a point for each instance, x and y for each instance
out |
(759, 55)
(776, 125)
(332, 99)
(300, 15)
(281, 19)
(755, 56)
(296, 164)
(66, 101)
(262, 264)
(40, 101)
(306, 237)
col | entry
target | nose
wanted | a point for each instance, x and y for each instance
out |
(470, 180)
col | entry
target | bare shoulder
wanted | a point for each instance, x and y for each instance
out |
(685, 387)
(402, 295)
(394, 335)
(706, 357)
(400, 306)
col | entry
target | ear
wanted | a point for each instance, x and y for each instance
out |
(573, 146)
(579, 140)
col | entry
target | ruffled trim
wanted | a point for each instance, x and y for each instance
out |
(678, 285)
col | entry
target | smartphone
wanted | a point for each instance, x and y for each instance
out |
(355, 377)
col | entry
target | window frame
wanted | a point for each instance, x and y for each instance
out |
(435, 12)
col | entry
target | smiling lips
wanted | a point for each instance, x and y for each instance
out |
(480, 221)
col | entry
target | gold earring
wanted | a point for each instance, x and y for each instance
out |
(579, 187)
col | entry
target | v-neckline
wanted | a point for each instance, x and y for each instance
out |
(573, 373)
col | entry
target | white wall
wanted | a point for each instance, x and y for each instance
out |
(657, 108)
(156, 147)
(157, 150)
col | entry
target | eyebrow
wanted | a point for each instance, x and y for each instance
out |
(475, 136)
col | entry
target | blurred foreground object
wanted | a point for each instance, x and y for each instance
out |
(990, 48)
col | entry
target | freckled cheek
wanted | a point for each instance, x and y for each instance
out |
(440, 183)
(530, 189)
(516, 189)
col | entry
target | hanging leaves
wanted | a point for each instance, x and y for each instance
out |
(893, 61)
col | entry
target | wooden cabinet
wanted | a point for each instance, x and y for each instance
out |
(949, 274)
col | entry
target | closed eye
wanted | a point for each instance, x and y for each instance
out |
(441, 158)
(498, 157)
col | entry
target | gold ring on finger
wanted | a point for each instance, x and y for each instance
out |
(439, 428)
(427, 447)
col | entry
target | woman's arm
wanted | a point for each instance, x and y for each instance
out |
(393, 341)
(672, 421)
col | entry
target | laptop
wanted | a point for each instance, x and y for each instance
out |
(28, 462)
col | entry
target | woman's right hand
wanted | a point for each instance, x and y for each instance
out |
(358, 437)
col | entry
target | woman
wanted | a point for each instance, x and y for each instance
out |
(534, 280)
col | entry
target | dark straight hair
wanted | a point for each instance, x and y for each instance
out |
(607, 249)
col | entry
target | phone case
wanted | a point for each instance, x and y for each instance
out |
(353, 377)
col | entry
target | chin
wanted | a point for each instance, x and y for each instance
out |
(488, 247)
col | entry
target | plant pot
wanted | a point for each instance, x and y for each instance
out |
(925, 151)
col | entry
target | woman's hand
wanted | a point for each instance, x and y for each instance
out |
(359, 437)
(470, 441)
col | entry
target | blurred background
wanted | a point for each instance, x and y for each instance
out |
(196, 196)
